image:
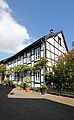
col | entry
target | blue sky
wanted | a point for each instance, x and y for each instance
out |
(34, 19)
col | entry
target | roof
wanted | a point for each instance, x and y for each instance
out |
(51, 34)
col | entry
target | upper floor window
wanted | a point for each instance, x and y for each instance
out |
(9, 63)
(19, 58)
(59, 40)
(37, 54)
(28, 57)
(32, 51)
(24, 55)
(16, 62)
(22, 60)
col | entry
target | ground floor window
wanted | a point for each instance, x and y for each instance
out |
(37, 76)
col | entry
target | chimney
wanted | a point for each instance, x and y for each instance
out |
(73, 45)
(51, 32)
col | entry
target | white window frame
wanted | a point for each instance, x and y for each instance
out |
(37, 53)
(37, 76)
(28, 57)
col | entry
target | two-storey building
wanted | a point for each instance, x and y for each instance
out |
(49, 46)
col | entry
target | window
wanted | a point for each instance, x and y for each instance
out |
(24, 55)
(37, 54)
(32, 51)
(59, 40)
(37, 76)
(18, 62)
(22, 60)
(28, 57)
(14, 62)
(19, 58)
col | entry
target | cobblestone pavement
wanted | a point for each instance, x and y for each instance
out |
(16, 93)
(20, 105)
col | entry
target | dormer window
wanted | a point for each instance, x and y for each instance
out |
(59, 40)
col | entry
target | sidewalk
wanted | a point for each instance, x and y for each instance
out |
(16, 93)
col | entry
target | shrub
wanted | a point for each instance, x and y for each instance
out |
(26, 81)
(37, 89)
(22, 85)
(43, 86)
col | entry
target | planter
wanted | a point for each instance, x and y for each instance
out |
(43, 91)
(21, 88)
(27, 89)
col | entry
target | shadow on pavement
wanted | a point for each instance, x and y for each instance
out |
(32, 109)
(5, 89)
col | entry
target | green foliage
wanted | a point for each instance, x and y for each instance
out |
(23, 67)
(49, 76)
(27, 81)
(6, 81)
(39, 64)
(43, 86)
(8, 71)
(2, 68)
(37, 89)
(22, 85)
(64, 71)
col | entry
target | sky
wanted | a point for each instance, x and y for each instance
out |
(24, 21)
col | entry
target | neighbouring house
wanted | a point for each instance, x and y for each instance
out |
(49, 46)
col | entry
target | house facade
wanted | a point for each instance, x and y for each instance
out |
(50, 46)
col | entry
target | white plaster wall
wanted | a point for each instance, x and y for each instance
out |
(62, 41)
(42, 78)
(32, 63)
(49, 63)
(24, 60)
(42, 47)
(42, 71)
(51, 40)
(32, 78)
(37, 85)
(56, 44)
(47, 45)
(42, 54)
(51, 48)
(32, 84)
(56, 51)
(48, 54)
(32, 57)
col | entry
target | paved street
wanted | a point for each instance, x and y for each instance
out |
(19, 105)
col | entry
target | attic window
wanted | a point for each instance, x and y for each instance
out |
(59, 40)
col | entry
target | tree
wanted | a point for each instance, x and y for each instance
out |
(64, 71)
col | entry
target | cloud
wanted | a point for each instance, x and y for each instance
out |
(12, 35)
